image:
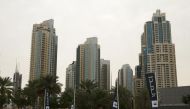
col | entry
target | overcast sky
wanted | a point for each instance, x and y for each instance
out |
(118, 24)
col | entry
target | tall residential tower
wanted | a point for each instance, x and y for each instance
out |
(157, 53)
(70, 75)
(88, 61)
(126, 77)
(104, 74)
(43, 50)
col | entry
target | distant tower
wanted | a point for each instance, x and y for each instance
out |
(17, 80)
(105, 74)
(157, 53)
(43, 50)
(70, 75)
(88, 61)
(126, 77)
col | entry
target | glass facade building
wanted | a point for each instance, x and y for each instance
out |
(88, 61)
(43, 59)
(157, 53)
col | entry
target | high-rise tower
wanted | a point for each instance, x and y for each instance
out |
(125, 77)
(88, 61)
(105, 74)
(17, 80)
(43, 50)
(70, 75)
(157, 52)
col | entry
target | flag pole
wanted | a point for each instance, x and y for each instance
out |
(74, 91)
(118, 90)
(111, 81)
(74, 96)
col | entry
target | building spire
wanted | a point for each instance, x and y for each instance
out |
(158, 11)
(16, 70)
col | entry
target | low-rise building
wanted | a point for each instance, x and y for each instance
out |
(172, 98)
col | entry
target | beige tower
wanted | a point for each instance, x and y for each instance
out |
(157, 53)
(88, 61)
(104, 74)
(43, 50)
(70, 75)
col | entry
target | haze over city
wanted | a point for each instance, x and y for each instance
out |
(118, 25)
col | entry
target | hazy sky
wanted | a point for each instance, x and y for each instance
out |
(118, 24)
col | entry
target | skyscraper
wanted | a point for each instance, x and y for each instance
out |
(70, 75)
(158, 52)
(88, 61)
(105, 74)
(125, 77)
(43, 50)
(17, 80)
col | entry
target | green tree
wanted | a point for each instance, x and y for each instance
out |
(89, 96)
(35, 89)
(142, 100)
(5, 90)
(50, 84)
(125, 98)
(66, 99)
(54, 102)
(102, 99)
(30, 91)
(84, 96)
(88, 85)
(19, 99)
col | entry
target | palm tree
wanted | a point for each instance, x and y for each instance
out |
(5, 90)
(35, 89)
(19, 99)
(54, 102)
(50, 84)
(125, 98)
(66, 99)
(30, 91)
(89, 96)
(102, 99)
(88, 85)
(85, 95)
(142, 100)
